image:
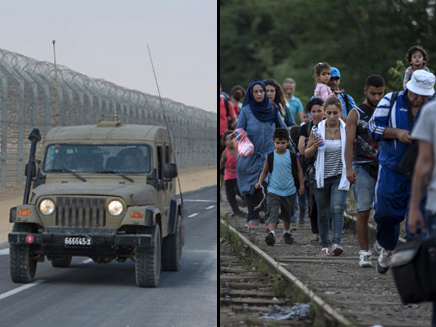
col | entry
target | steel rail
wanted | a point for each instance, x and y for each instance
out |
(327, 310)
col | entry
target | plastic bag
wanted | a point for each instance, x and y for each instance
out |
(245, 147)
(297, 312)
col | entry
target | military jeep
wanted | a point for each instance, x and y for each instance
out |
(106, 192)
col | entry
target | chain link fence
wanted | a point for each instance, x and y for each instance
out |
(29, 100)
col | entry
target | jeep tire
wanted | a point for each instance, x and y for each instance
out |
(148, 261)
(172, 249)
(22, 262)
(61, 262)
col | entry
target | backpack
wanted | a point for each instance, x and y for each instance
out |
(306, 162)
(345, 97)
(293, 156)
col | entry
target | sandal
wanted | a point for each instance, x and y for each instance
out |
(315, 240)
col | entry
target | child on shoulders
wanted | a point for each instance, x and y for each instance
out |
(417, 58)
(322, 77)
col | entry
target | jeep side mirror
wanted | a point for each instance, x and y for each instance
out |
(170, 170)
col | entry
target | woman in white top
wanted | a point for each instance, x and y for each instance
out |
(331, 180)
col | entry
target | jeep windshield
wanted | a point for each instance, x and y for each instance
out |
(117, 159)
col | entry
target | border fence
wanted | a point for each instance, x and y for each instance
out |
(28, 100)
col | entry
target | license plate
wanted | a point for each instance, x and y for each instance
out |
(78, 241)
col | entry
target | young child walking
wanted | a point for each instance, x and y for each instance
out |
(417, 58)
(286, 178)
(228, 161)
(322, 77)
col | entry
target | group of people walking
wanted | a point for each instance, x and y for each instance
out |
(358, 146)
(369, 147)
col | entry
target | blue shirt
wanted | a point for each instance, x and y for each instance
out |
(289, 118)
(261, 135)
(295, 105)
(281, 181)
(351, 103)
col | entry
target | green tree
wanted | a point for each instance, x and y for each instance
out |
(263, 39)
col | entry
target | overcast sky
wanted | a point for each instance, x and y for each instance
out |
(108, 39)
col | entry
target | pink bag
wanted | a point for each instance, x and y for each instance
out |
(245, 147)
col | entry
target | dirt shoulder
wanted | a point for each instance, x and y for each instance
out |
(190, 179)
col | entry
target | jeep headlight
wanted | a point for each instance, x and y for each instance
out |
(115, 208)
(46, 207)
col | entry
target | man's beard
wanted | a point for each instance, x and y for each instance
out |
(371, 104)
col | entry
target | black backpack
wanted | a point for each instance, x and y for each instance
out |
(345, 97)
(306, 162)
(270, 158)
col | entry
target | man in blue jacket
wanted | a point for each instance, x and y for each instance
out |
(391, 124)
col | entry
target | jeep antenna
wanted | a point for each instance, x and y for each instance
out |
(166, 123)
(56, 111)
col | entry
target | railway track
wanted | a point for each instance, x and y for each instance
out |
(340, 293)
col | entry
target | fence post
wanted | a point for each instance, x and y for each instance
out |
(4, 147)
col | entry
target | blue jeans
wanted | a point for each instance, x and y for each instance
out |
(330, 203)
(431, 232)
(300, 202)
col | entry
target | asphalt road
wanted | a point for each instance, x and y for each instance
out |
(88, 294)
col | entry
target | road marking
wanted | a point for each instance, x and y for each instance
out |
(210, 207)
(20, 289)
(89, 260)
(193, 215)
(199, 200)
(4, 251)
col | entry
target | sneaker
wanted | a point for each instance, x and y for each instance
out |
(270, 239)
(324, 252)
(287, 238)
(365, 259)
(337, 250)
(384, 261)
(377, 248)
(294, 226)
(300, 221)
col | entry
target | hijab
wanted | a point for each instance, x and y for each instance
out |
(263, 111)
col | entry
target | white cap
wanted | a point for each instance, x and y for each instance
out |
(421, 83)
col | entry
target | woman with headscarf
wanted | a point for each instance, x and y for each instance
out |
(258, 117)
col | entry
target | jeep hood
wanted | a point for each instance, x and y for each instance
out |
(132, 194)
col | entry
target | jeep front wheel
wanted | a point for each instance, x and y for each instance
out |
(148, 261)
(22, 261)
(172, 249)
